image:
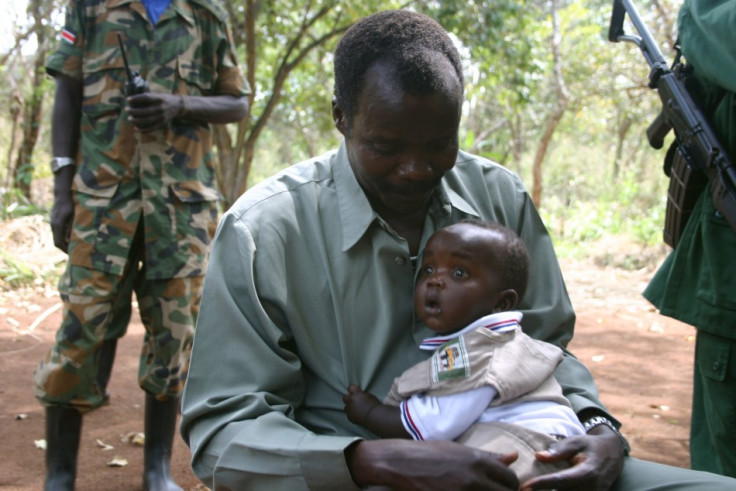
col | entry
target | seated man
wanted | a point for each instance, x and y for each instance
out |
(310, 283)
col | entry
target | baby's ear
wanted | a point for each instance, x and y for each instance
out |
(507, 300)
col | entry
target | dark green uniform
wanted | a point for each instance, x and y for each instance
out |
(140, 198)
(697, 282)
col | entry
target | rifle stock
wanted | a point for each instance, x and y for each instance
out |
(699, 154)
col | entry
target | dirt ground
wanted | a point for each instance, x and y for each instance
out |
(641, 361)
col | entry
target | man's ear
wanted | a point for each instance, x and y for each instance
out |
(507, 300)
(338, 116)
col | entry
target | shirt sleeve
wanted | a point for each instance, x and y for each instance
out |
(67, 59)
(230, 80)
(239, 421)
(444, 417)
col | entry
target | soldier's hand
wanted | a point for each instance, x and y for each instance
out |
(62, 213)
(150, 111)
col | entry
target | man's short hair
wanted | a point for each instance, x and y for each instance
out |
(409, 40)
(515, 260)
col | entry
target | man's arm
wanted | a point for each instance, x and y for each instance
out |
(150, 111)
(246, 380)
(65, 120)
(410, 465)
(548, 316)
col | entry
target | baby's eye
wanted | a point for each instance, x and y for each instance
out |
(459, 273)
(427, 270)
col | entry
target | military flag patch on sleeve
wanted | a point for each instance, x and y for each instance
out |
(68, 36)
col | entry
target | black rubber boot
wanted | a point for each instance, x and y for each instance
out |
(160, 427)
(106, 356)
(63, 428)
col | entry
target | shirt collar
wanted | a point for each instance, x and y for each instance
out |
(455, 200)
(500, 322)
(181, 7)
(356, 212)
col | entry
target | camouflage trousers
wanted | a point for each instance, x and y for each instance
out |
(97, 307)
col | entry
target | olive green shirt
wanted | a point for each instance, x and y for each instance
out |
(697, 282)
(308, 291)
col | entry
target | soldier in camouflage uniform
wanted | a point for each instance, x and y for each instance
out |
(135, 206)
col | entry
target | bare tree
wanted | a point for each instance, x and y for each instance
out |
(32, 104)
(316, 26)
(561, 104)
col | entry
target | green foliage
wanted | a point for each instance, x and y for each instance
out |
(583, 206)
(15, 205)
(599, 177)
(15, 273)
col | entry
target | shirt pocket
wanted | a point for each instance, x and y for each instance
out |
(716, 281)
(99, 235)
(712, 356)
(195, 78)
(104, 87)
(195, 216)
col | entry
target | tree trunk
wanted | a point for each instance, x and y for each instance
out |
(624, 125)
(33, 110)
(235, 167)
(553, 119)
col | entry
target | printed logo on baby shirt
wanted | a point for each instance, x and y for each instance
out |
(450, 361)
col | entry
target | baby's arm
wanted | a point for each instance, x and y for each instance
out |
(444, 417)
(366, 410)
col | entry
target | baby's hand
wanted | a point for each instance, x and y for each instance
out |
(359, 404)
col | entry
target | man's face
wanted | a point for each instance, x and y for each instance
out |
(459, 279)
(400, 145)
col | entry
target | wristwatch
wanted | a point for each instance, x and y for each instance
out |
(58, 162)
(591, 423)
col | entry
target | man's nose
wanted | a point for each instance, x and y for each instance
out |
(416, 167)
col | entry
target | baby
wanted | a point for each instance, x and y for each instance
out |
(487, 384)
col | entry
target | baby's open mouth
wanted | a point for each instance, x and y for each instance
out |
(432, 307)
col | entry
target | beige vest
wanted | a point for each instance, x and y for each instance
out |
(520, 368)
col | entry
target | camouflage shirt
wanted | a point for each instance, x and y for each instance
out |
(165, 178)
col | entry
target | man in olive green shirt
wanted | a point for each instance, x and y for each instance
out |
(309, 289)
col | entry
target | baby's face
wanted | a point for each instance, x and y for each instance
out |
(458, 280)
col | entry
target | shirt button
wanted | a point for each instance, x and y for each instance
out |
(716, 366)
(400, 260)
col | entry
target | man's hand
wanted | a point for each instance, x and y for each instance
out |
(596, 459)
(62, 213)
(410, 465)
(150, 111)
(359, 404)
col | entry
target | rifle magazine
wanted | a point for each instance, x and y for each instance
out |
(686, 185)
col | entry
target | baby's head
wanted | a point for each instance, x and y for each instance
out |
(470, 269)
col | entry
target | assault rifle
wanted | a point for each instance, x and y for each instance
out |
(136, 84)
(696, 157)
